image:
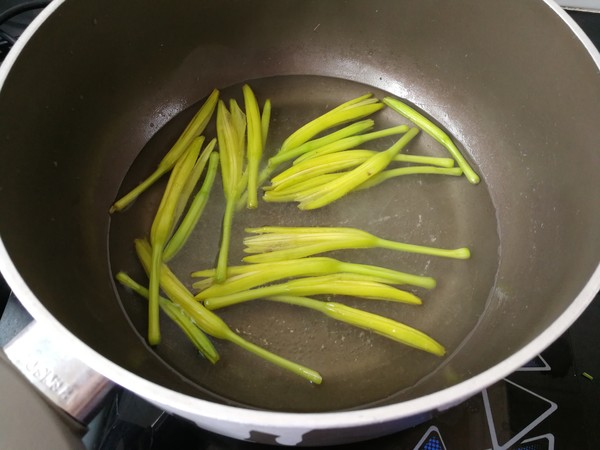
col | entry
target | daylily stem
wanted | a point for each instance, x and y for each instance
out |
(366, 320)
(281, 243)
(208, 321)
(177, 315)
(340, 284)
(351, 142)
(193, 129)
(435, 132)
(221, 273)
(195, 210)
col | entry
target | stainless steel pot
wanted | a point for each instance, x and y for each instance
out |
(94, 85)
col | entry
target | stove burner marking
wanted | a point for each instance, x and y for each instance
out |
(488, 412)
(431, 440)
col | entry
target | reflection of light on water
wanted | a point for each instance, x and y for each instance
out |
(161, 115)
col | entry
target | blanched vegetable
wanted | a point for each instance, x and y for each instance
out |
(355, 109)
(369, 321)
(194, 129)
(327, 165)
(343, 185)
(196, 208)
(162, 228)
(265, 122)
(434, 131)
(177, 315)
(255, 144)
(331, 138)
(281, 243)
(341, 161)
(351, 142)
(297, 190)
(363, 286)
(230, 131)
(392, 173)
(251, 275)
(330, 163)
(208, 321)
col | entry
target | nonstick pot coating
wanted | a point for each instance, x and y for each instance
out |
(101, 83)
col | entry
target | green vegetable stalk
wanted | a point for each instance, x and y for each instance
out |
(249, 276)
(192, 180)
(435, 132)
(208, 321)
(281, 243)
(428, 160)
(343, 185)
(300, 141)
(348, 131)
(337, 162)
(265, 121)
(368, 321)
(255, 144)
(231, 146)
(196, 208)
(177, 315)
(351, 142)
(301, 177)
(264, 125)
(337, 284)
(240, 123)
(354, 109)
(334, 162)
(193, 129)
(401, 171)
(312, 185)
(162, 228)
(290, 193)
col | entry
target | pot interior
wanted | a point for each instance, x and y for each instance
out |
(110, 102)
(359, 367)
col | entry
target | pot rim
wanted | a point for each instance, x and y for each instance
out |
(195, 407)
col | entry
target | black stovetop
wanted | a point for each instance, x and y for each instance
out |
(553, 402)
